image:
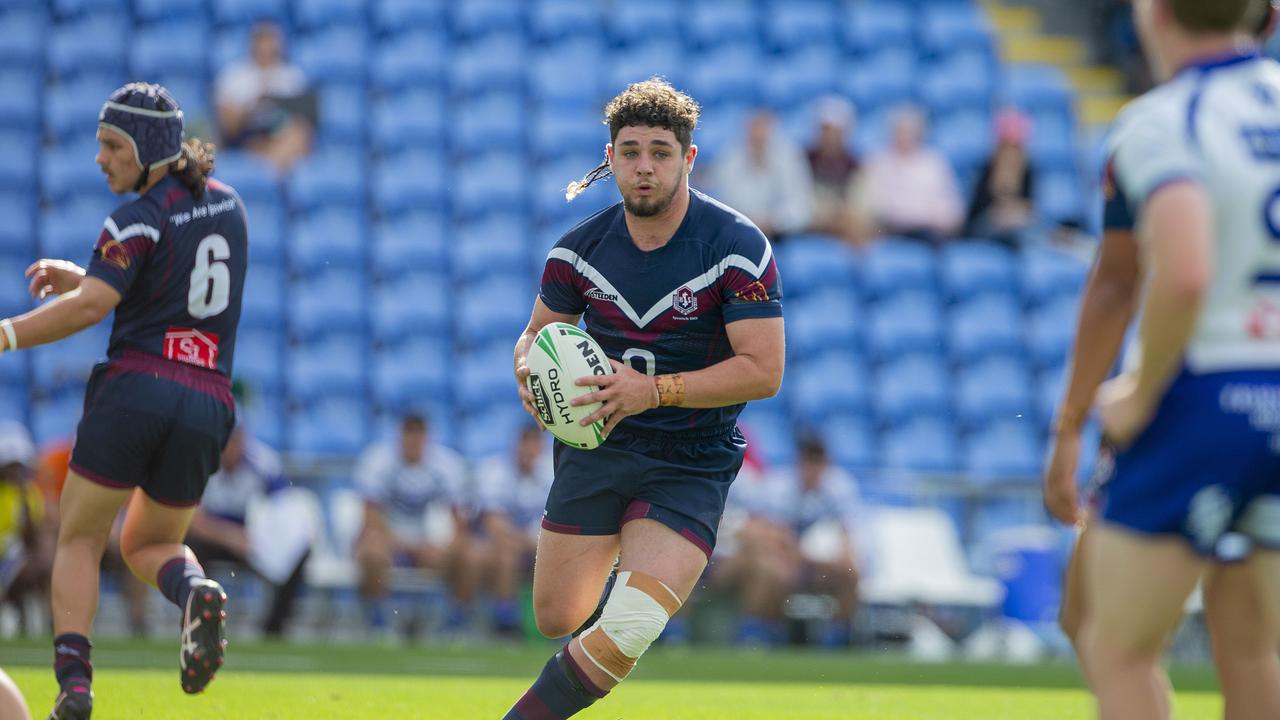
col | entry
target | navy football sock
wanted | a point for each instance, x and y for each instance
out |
(561, 691)
(71, 658)
(175, 579)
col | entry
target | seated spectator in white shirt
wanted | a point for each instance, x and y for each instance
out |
(911, 189)
(511, 494)
(416, 515)
(766, 178)
(264, 104)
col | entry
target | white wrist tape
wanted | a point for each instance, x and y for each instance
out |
(7, 326)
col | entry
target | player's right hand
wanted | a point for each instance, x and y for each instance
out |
(53, 277)
(526, 397)
(1060, 495)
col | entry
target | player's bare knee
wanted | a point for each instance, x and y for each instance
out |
(557, 619)
(634, 616)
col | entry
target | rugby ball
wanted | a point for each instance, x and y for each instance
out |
(560, 354)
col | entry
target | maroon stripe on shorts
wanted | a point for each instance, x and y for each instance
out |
(209, 382)
(692, 537)
(561, 528)
(96, 478)
(636, 509)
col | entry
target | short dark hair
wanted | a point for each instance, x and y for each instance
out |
(812, 448)
(653, 103)
(414, 421)
(1210, 16)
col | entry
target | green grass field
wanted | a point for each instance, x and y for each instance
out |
(138, 681)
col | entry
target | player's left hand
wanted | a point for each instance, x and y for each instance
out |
(1123, 411)
(624, 393)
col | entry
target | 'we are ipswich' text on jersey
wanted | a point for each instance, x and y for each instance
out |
(665, 311)
(179, 266)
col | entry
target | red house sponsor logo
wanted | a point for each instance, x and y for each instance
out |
(192, 347)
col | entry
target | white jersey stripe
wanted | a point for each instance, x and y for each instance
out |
(131, 231)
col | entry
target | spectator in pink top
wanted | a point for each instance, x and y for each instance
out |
(911, 189)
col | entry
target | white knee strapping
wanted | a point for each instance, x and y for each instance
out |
(634, 616)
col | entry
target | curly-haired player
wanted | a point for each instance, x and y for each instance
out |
(682, 294)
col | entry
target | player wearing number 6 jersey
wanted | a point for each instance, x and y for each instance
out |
(1194, 418)
(157, 414)
(682, 294)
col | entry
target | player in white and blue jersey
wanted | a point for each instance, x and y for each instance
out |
(1195, 417)
(682, 294)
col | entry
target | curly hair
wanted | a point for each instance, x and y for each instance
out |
(195, 165)
(650, 103)
(1218, 16)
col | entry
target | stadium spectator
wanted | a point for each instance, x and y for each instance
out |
(767, 179)
(26, 536)
(511, 492)
(1002, 207)
(835, 174)
(912, 189)
(406, 486)
(797, 537)
(264, 104)
(250, 470)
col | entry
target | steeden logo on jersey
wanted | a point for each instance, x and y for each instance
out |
(596, 293)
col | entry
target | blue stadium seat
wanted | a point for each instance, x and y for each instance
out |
(263, 302)
(343, 113)
(328, 179)
(1052, 330)
(910, 387)
(850, 440)
(886, 78)
(815, 262)
(998, 388)
(412, 303)
(78, 47)
(23, 34)
(69, 170)
(409, 180)
(18, 232)
(1059, 195)
(263, 416)
(491, 432)
(493, 310)
(14, 299)
(335, 301)
(55, 418)
(483, 377)
(559, 129)
(497, 244)
(21, 111)
(800, 77)
(946, 26)
(491, 183)
(329, 238)
(167, 11)
(986, 325)
(640, 61)
(833, 383)
(827, 320)
(545, 74)
(546, 194)
(69, 362)
(69, 235)
(393, 16)
(14, 369)
(153, 51)
(905, 323)
(406, 372)
(879, 23)
(492, 63)
(728, 72)
(1046, 273)
(1006, 450)
(792, 24)
(254, 178)
(311, 14)
(71, 108)
(1047, 392)
(409, 117)
(481, 18)
(194, 96)
(1052, 145)
(243, 12)
(551, 21)
(711, 22)
(893, 265)
(411, 59)
(483, 124)
(330, 365)
(769, 432)
(17, 168)
(15, 398)
(258, 358)
(635, 23)
(969, 269)
(415, 239)
(1035, 86)
(266, 232)
(334, 54)
(924, 445)
(335, 425)
(964, 136)
(959, 80)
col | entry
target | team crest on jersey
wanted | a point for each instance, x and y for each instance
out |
(684, 301)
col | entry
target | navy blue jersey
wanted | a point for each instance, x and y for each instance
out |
(178, 264)
(665, 311)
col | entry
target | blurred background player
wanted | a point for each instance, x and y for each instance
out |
(510, 494)
(1243, 641)
(27, 533)
(798, 536)
(171, 266)
(1195, 459)
(709, 341)
(250, 472)
(416, 515)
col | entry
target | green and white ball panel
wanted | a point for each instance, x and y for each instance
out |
(560, 354)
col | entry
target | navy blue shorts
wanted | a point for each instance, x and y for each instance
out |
(1207, 468)
(161, 430)
(679, 482)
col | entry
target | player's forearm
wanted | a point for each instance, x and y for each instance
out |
(1105, 313)
(65, 316)
(734, 381)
